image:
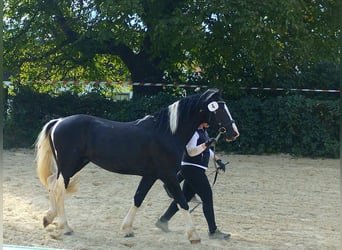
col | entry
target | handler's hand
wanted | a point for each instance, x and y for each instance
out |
(222, 166)
(210, 141)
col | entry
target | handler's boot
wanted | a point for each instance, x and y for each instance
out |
(219, 235)
(163, 225)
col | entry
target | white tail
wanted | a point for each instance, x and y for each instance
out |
(46, 164)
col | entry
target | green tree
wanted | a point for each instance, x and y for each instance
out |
(235, 42)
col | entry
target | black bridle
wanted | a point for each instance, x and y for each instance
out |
(221, 128)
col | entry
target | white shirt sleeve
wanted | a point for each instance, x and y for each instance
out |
(212, 155)
(192, 148)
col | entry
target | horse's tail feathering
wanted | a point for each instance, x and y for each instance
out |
(46, 164)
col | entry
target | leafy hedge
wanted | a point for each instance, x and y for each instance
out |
(27, 111)
(294, 124)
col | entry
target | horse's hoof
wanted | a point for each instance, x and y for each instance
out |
(195, 241)
(45, 222)
(129, 235)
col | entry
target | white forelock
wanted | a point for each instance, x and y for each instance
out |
(173, 116)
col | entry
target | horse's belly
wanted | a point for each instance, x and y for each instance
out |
(122, 164)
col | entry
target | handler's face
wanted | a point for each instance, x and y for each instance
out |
(205, 125)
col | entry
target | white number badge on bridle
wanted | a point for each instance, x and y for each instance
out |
(213, 106)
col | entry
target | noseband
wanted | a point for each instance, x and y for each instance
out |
(221, 130)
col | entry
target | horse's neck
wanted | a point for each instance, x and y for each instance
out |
(186, 129)
(181, 120)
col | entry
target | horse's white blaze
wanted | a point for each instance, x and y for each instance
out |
(228, 113)
(236, 130)
(127, 224)
(233, 125)
(173, 116)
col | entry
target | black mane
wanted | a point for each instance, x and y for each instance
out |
(161, 119)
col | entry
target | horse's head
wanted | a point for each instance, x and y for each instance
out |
(218, 115)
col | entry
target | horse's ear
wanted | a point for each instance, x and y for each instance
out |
(208, 94)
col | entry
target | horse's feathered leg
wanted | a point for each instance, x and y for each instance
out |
(174, 188)
(144, 186)
(60, 192)
(190, 229)
(127, 224)
(52, 212)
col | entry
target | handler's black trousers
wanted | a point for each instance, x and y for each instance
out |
(195, 182)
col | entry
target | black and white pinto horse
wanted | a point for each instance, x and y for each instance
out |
(151, 147)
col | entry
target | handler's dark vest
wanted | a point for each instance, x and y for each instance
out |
(203, 158)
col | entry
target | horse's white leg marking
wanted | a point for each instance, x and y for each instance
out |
(127, 224)
(52, 212)
(60, 193)
(190, 229)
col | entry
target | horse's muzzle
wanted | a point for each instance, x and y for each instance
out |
(233, 138)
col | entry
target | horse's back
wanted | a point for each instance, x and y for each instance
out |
(112, 145)
(83, 119)
(80, 129)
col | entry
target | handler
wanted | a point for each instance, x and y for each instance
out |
(193, 167)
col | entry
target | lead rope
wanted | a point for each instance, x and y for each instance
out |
(221, 131)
